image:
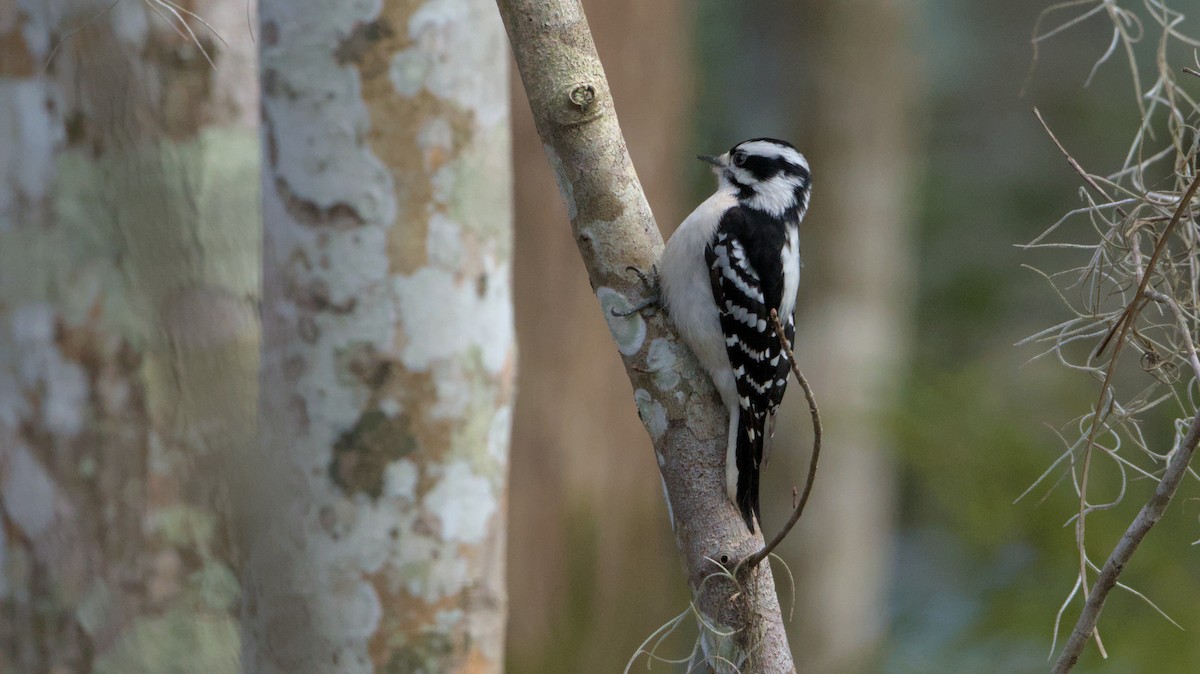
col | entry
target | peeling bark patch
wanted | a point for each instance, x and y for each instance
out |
(499, 434)
(652, 413)
(93, 478)
(445, 242)
(407, 72)
(362, 454)
(368, 366)
(28, 494)
(661, 361)
(187, 79)
(463, 502)
(453, 74)
(361, 40)
(27, 167)
(443, 316)
(63, 383)
(400, 481)
(337, 215)
(315, 104)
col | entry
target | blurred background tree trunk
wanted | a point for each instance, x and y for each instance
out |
(857, 116)
(128, 336)
(593, 549)
(388, 350)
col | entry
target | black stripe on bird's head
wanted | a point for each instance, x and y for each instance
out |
(769, 175)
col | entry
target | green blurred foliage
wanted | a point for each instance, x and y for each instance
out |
(979, 579)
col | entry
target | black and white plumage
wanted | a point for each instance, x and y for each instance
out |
(732, 261)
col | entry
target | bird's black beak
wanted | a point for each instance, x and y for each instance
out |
(715, 161)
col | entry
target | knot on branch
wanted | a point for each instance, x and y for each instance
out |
(584, 103)
(583, 95)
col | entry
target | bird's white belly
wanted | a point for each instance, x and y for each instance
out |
(686, 282)
(791, 272)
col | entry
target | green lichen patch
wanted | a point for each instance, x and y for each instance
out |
(206, 187)
(178, 641)
(363, 453)
(629, 332)
(423, 655)
(652, 413)
(184, 526)
(661, 361)
(215, 586)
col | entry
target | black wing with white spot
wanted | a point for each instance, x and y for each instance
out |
(746, 286)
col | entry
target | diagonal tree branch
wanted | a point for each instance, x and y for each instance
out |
(614, 230)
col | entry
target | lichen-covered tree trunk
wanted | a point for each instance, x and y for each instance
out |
(128, 338)
(388, 351)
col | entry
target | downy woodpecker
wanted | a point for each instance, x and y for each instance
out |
(732, 261)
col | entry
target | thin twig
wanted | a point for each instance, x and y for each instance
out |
(754, 560)
(1071, 160)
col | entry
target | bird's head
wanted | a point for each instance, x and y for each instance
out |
(766, 174)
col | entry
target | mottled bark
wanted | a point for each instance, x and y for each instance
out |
(614, 228)
(128, 339)
(388, 353)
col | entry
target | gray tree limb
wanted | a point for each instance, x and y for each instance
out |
(1146, 518)
(615, 230)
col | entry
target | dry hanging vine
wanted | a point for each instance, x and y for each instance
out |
(1136, 291)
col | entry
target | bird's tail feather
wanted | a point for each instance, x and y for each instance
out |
(750, 436)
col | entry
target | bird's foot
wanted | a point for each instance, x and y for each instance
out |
(651, 298)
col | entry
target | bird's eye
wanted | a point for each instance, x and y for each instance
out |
(739, 159)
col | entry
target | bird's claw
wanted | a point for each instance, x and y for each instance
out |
(646, 281)
(651, 299)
